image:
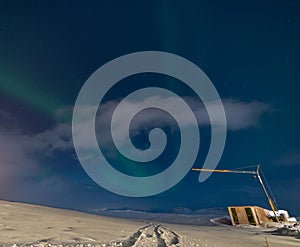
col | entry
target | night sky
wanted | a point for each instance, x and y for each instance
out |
(249, 49)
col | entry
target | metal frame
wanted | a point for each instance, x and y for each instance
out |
(256, 173)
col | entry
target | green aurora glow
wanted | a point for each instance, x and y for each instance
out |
(36, 97)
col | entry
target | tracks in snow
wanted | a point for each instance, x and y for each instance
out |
(151, 236)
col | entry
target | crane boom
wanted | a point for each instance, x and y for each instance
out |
(229, 171)
(256, 173)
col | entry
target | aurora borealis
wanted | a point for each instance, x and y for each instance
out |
(249, 50)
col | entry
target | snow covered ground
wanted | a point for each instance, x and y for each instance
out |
(36, 226)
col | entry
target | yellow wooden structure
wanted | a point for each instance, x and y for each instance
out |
(250, 215)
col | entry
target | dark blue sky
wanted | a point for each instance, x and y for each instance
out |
(249, 49)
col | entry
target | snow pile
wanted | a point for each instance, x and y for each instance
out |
(290, 229)
(153, 235)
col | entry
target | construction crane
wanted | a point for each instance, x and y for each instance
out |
(256, 174)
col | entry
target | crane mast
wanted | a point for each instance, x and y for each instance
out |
(255, 173)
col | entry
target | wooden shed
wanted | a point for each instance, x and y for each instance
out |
(251, 215)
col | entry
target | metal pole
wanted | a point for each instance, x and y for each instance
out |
(266, 193)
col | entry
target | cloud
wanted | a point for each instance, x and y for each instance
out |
(20, 148)
(240, 115)
(244, 115)
(58, 138)
(7, 120)
(21, 154)
(17, 159)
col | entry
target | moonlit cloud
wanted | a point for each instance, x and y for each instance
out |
(243, 115)
(239, 114)
(17, 159)
(21, 153)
